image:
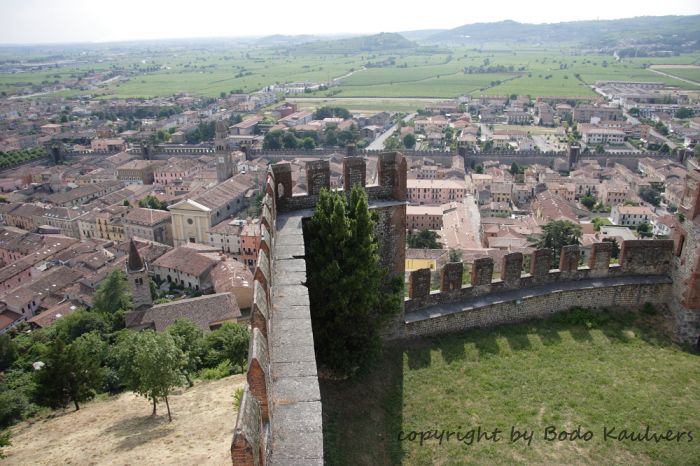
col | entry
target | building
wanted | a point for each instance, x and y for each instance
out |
(137, 276)
(137, 172)
(435, 191)
(150, 224)
(192, 218)
(422, 217)
(613, 192)
(250, 243)
(108, 145)
(584, 113)
(185, 267)
(226, 236)
(591, 134)
(176, 171)
(630, 215)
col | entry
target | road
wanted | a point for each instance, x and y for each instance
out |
(378, 144)
(689, 81)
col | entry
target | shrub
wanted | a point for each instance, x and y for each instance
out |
(223, 369)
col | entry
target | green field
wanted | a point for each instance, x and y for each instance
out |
(401, 73)
(692, 74)
(574, 370)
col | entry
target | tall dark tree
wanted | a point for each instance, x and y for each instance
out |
(557, 234)
(346, 282)
(112, 298)
(409, 141)
(72, 372)
(424, 239)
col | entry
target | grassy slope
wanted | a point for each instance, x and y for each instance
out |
(533, 375)
(119, 430)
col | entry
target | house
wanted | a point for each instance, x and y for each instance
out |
(420, 217)
(234, 277)
(186, 267)
(208, 312)
(150, 224)
(435, 191)
(592, 134)
(630, 215)
(137, 172)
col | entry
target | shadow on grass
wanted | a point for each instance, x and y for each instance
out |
(138, 431)
(452, 349)
(362, 417)
(418, 358)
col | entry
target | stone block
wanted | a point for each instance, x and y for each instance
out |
(569, 259)
(482, 271)
(541, 263)
(354, 172)
(318, 175)
(511, 269)
(451, 276)
(419, 283)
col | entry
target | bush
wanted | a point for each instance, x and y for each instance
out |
(649, 309)
(237, 398)
(582, 316)
(227, 343)
(223, 369)
(14, 406)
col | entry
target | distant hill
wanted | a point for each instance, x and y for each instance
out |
(658, 32)
(421, 34)
(279, 39)
(375, 43)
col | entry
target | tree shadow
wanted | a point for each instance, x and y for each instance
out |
(138, 431)
(452, 349)
(418, 358)
(548, 336)
(581, 334)
(519, 341)
(486, 343)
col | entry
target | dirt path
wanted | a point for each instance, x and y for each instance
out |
(120, 431)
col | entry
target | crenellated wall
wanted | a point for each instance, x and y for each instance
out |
(643, 275)
(279, 421)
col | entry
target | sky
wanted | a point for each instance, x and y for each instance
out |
(60, 21)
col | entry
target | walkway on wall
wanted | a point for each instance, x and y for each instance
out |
(441, 310)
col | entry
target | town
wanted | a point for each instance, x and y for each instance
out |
(154, 211)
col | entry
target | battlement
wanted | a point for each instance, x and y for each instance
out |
(643, 263)
(279, 420)
(391, 175)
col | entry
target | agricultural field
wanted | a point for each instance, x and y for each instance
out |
(580, 371)
(409, 73)
(690, 72)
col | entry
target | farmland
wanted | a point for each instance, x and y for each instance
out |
(411, 73)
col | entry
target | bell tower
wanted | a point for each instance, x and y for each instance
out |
(137, 275)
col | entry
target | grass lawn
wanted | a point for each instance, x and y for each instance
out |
(615, 370)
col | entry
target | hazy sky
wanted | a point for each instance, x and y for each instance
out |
(43, 21)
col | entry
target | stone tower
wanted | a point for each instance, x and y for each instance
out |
(220, 135)
(224, 166)
(137, 275)
(574, 155)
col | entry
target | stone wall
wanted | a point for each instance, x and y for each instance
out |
(280, 417)
(646, 263)
(279, 421)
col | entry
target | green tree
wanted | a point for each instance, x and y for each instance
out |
(290, 141)
(112, 298)
(424, 239)
(455, 255)
(515, 169)
(684, 112)
(150, 365)
(308, 143)
(409, 141)
(273, 139)
(650, 195)
(615, 247)
(557, 234)
(4, 441)
(189, 338)
(643, 228)
(126, 203)
(346, 282)
(72, 372)
(8, 351)
(479, 169)
(331, 137)
(589, 201)
(80, 322)
(152, 202)
(228, 342)
(392, 143)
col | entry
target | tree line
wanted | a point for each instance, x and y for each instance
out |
(89, 351)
